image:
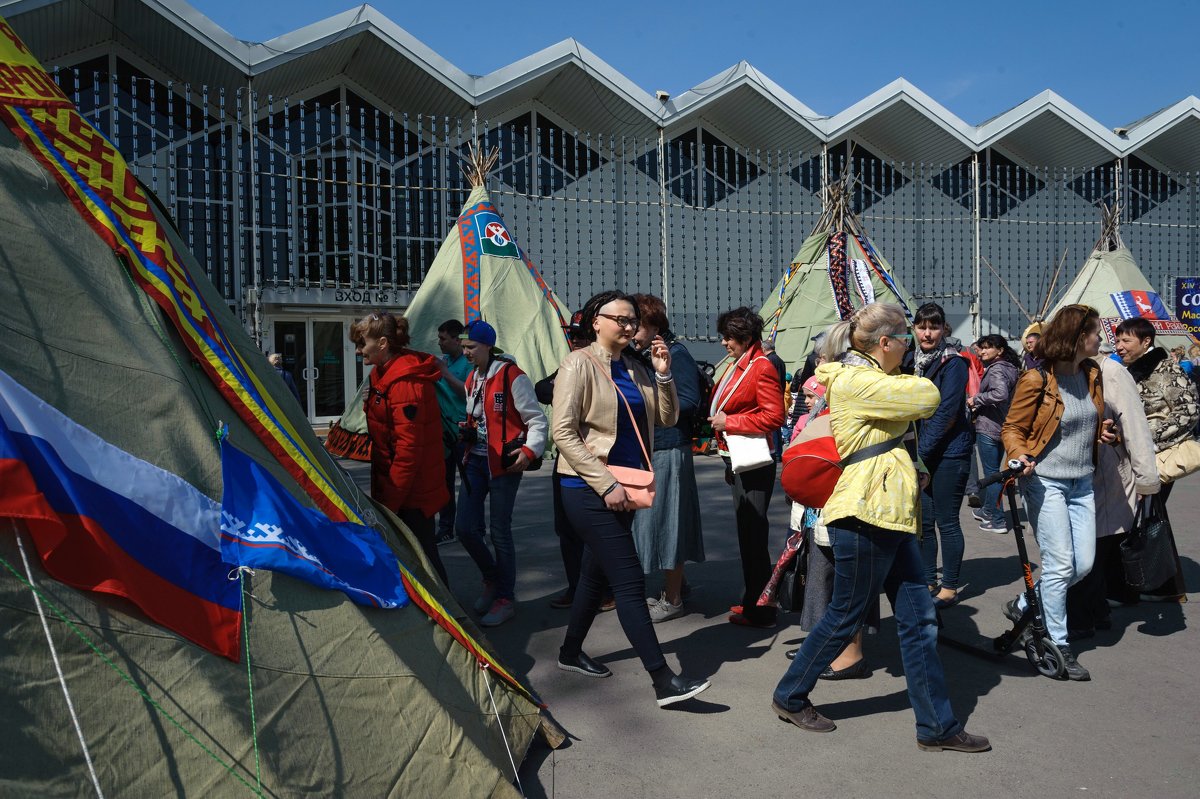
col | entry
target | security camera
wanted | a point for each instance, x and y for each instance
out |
(662, 96)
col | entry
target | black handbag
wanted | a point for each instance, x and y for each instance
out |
(1148, 552)
(791, 585)
(508, 455)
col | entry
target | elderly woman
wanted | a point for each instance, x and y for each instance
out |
(872, 521)
(1172, 410)
(1125, 474)
(748, 401)
(1055, 426)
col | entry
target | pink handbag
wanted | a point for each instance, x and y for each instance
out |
(638, 483)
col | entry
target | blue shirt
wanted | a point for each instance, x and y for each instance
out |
(626, 451)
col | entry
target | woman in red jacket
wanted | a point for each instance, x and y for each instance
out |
(748, 402)
(408, 474)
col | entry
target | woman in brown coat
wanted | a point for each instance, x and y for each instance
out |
(1055, 425)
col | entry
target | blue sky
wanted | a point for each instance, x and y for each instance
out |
(1116, 61)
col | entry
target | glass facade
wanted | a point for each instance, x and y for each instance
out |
(334, 190)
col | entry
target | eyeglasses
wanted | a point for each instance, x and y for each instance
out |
(622, 321)
(905, 337)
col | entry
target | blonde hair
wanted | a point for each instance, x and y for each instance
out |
(874, 321)
(836, 342)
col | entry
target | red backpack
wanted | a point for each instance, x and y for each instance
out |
(812, 465)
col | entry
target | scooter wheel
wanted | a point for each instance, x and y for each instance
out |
(1051, 663)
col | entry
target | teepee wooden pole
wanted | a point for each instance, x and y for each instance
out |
(1007, 289)
(1050, 291)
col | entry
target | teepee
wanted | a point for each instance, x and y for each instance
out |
(480, 272)
(836, 271)
(1111, 282)
(127, 671)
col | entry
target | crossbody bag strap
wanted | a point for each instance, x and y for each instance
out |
(629, 410)
(873, 450)
(734, 388)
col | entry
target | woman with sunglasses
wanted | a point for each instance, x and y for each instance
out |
(872, 521)
(606, 405)
(748, 400)
(945, 444)
(1055, 426)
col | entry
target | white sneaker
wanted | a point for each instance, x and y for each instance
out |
(502, 610)
(662, 610)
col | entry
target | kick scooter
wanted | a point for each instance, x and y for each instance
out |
(1029, 631)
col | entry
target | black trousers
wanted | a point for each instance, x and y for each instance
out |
(751, 497)
(609, 556)
(570, 545)
(425, 529)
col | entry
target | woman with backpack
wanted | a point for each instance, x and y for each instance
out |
(872, 522)
(1001, 367)
(945, 442)
(850, 664)
(1055, 426)
(505, 434)
(747, 411)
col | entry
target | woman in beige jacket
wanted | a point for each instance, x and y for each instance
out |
(606, 404)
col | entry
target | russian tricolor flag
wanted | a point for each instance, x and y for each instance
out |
(104, 520)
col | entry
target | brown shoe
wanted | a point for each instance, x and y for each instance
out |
(607, 605)
(806, 719)
(962, 741)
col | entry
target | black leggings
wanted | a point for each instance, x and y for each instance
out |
(608, 556)
(751, 497)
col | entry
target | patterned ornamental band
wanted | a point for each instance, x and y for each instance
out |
(96, 179)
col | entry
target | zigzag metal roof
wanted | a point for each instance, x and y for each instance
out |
(899, 120)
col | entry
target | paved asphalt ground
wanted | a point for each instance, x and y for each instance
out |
(1130, 732)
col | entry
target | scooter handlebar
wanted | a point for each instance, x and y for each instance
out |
(1015, 467)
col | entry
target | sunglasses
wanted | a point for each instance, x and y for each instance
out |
(622, 321)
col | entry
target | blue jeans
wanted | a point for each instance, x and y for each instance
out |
(1063, 515)
(500, 570)
(940, 504)
(865, 560)
(991, 451)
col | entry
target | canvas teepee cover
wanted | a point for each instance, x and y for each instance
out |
(328, 697)
(836, 272)
(1111, 282)
(481, 272)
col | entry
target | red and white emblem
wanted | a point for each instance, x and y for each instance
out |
(496, 232)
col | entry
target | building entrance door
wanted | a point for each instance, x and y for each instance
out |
(322, 361)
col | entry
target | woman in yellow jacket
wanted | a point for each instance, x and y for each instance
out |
(873, 522)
